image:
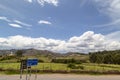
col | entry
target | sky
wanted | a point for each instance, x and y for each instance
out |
(60, 25)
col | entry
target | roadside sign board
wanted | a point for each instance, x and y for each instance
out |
(32, 62)
(26, 64)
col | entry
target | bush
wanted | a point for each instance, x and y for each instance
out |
(7, 58)
(78, 62)
(73, 66)
(39, 60)
(81, 67)
(66, 61)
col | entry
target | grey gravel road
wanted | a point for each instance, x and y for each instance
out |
(62, 77)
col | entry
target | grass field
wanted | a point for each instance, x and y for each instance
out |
(57, 66)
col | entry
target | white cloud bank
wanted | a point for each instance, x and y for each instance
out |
(43, 2)
(87, 42)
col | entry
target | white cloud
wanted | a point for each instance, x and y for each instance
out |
(87, 42)
(44, 22)
(30, 1)
(15, 25)
(114, 35)
(5, 19)
(109, 7)
(22, 23)
(43, 2)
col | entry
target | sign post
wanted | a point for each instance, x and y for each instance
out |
(27, 74)
(22, 67)
(26, 64)
(36, 75)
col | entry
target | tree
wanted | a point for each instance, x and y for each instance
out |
(107, 57)
(19, 53)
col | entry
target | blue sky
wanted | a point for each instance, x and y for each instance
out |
(59, 19)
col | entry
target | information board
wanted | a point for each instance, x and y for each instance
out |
(32, 62)
(27, 64)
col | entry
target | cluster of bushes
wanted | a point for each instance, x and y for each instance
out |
(7, 58)
(66, 61)
(74, 66)
(107, 57)
(40, 60)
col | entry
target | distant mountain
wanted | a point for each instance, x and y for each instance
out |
(5, 52)
(35, 52)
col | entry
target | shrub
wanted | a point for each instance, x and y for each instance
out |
(81, 67)
(66, 61)
(7, 58)
(40, 60)
(72, 66)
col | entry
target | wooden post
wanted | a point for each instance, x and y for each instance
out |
(36, 75)
(27, 74)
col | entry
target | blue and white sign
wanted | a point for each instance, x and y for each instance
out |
(32, 62)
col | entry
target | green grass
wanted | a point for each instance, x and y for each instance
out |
(10, 65)
(58, 66)
(41, 66)
(101, 67)
(52, 66)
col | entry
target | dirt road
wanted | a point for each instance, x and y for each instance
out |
(62, 77)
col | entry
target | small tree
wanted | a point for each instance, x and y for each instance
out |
(19, 53)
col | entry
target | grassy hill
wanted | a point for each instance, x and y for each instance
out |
(44, 55)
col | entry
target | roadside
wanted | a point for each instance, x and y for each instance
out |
(63, 77)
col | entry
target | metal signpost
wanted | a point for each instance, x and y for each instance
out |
(26, 64)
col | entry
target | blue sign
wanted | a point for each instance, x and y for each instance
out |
(32, 62)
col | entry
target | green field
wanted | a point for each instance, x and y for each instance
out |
(63, 67)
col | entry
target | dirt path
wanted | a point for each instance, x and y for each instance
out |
(62, 77)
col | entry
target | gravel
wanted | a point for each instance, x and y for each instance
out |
(62, 77)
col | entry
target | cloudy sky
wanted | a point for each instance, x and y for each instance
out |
(60, 25)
